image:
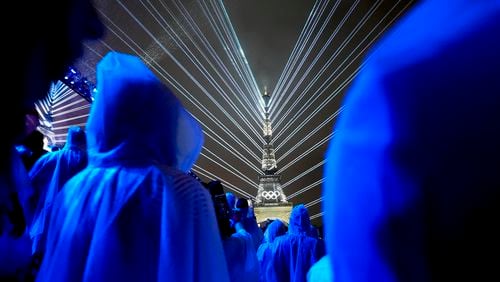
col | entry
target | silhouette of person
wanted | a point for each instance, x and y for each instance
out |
(48, 40)
(411, 189)
(48, 176)
(293, 253)
(134, 213)
(238, 244)
(243, 214)
(241, 257)
(275, 229)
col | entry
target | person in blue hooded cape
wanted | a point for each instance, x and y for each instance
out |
(134, 213)
(411, 189)
(238, 245)
(48, 175)
(293, 253)
(244, 214)
(240, 254)
(274, 229)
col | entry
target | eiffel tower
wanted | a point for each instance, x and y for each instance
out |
(270, 202)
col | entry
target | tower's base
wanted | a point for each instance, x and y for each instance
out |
(271, 211)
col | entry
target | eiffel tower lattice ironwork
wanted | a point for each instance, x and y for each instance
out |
(269, 191)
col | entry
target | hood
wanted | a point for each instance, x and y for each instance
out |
(273, 230)
(136, 119)
(300, 223)
(76, 138)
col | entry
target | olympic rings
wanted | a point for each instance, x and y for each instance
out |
(271, 195)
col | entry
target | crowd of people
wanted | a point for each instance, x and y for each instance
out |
(48, 40)
(411, 189)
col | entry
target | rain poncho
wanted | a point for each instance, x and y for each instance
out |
(273, 230)
(293, 254)
(321, 271)
(134, 214)
(241, 257)
(411, 189)
(248, 219)
(48, 176)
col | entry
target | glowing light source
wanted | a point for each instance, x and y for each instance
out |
(79, 84)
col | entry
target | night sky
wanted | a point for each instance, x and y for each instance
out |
(218, 56)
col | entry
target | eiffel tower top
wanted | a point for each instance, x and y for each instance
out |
(266, 96)
(268, 159)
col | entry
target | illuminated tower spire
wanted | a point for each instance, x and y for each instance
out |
(268, 159)
(269, 184)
